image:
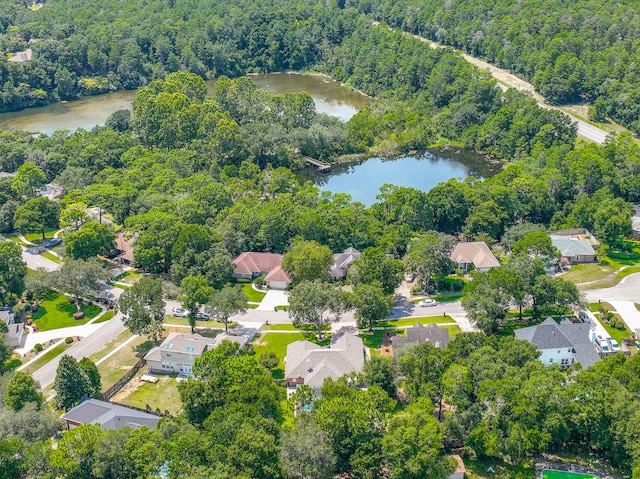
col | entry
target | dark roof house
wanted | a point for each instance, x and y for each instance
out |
(565, 343)
(307, 363)
(108, 416)
(419, 333)
(342, 261)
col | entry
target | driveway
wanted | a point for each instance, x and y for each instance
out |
(35, 261)
(272, 299)
(623, 298)
(627, 310)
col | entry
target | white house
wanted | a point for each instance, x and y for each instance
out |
(565, 344)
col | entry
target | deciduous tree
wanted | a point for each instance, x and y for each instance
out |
(194, 292)
(316, 303)
(143, 308)
(90, 240)
(371, 304)
(80, 279)
(36, 215)
(225, 303)
(12, 270)
(307, 261)
(71, 383)
(22, 389)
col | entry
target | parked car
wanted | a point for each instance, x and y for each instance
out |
(409, 277)
(604, 345)
(179, 312)
(615, 347)
(53, 242)
(428, 302)
(202, 316)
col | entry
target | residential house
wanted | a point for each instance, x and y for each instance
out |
(419, 333)
(635, 223)
(250, 265)
(460, 471)
(574, 250)
(475, 255)
(310, 364)
(125, 242)
(565, 344)
(108, 416)
(341, 263)
(179, 351)
(15, 337)
(21, 57)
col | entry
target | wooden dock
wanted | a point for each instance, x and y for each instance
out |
(321, 165)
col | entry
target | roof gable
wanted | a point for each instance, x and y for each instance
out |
(569, 247)
(250, 263)
(109, 415)
(476, 252)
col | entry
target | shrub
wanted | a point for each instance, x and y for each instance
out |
(29, 316)
(78, 315)
(35, 307)
(260, 282)
(269, 360)
(27, 307)
(37, 348)
(68, 340)
(620, 325)
(458, 285)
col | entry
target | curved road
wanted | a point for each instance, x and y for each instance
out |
(509, 80)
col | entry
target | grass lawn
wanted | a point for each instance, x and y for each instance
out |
(615, 333)
(595, 307)
(251, 294)
(51, 257)
(37, 237)
(130, 276)
(583, 273)
(477, 469)
(374, 339)
(46, 357)
(276, 343)
(509, 326)
(104, 350)
(162, 395)
(117, 365)
(548, 474)
(57, 312)
(627, 271)
(412, 321)
(291, 327)
(105, 317)
(618, 258)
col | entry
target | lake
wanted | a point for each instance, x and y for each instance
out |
(329, 96)
(421, 171)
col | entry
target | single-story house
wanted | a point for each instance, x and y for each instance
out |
(250, 265)
(565, 344)
(574, 250)
(15, 337)
(635, 223)
(125, 242)
(474, 255)
(419, 333)
(109, 415)
(179, 351)
(21, 57)
(341, 263)
(310, 364)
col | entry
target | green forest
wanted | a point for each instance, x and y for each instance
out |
(200, 178)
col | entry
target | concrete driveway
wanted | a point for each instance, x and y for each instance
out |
(35, 261)
(272, 299)
(623, 298)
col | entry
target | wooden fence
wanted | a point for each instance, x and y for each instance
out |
(123, 380)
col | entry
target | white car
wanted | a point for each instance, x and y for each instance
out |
(427, 302)
(179, 312)
(409, 277)
(615, 347)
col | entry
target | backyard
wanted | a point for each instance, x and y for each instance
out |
(278, 342)
(162, 395)
(56, 311)
(113, 368)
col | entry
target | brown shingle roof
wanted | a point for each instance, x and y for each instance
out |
(476, 252)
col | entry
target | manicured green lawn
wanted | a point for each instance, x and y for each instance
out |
(46, 357)
(105, 317)
(57, 312)
(628, 271)
(51, 257)
(566, 475)
(291, 327)
(199, 324)
(130, 276)
(161, 395)
(37, 237)
(478, 469)
(509, 326)
(583, 273)
(251, 294)
(617, 258)
(374, 339)
(617, 334)
(412, 321)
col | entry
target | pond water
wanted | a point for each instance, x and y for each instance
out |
(329, 96)
(421, 171)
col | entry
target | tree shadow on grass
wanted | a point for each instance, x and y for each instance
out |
(142, 349)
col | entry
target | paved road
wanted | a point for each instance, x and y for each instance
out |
(35, 261)
(509, 80)
(627, 290)
(108, 330)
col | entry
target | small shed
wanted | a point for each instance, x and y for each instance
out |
(460, 471)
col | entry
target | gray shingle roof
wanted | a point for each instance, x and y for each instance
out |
(551, 335)
(342, 261)
(185, 343)
(419, 333)
(109, 415)
(569, 247)
(315, 363)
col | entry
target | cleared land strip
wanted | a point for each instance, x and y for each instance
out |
(509, 80)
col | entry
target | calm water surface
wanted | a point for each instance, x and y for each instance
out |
(421, 171)
(329, 96)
